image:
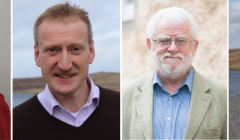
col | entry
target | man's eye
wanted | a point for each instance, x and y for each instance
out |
(160, 41)
(52, 50)
(182, 40)
(76, 49)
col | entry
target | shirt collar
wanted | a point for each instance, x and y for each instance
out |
(49, 101)
(188, 81)
(94, 92)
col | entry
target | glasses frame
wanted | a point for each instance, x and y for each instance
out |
(174, 41)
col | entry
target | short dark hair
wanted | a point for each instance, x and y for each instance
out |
(63, 11)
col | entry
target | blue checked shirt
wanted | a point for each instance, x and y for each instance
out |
(170, 112)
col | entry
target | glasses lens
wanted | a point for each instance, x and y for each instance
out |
(182, 42)
(163, 42)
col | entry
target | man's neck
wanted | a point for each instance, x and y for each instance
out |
(75, 102)
(171, 85)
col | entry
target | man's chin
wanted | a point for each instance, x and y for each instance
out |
(172, 71)
(63, 91)
(171, 67)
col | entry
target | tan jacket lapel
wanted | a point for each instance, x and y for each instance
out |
(199, 104)
(144, 106)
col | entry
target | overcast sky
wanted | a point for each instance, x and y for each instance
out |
(104, 16)
(234, 24)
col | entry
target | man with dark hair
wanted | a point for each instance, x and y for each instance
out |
(71, 106)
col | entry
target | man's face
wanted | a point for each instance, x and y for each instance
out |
(172, 62)
(64, 55)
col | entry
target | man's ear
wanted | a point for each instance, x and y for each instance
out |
(149, 43)
(196, 45)
(92, 52)
(36, 55)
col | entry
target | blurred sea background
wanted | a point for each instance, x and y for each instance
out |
(234, 82)
(20, 98)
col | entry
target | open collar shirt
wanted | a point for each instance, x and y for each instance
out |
(54, 108)
(170, 112)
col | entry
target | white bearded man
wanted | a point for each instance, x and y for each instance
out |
(174, 101)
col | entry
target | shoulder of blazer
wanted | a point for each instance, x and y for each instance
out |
(138, 84)
(210, 82)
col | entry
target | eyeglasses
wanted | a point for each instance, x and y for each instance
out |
(181, 42)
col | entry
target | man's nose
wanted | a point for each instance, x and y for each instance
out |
(173, 48)
(65, 62)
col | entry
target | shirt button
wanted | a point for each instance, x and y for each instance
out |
(170, 98)
(168, 118)
(79, 124)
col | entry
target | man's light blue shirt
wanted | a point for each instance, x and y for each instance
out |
(170, 112)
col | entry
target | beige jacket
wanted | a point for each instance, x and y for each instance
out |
(207, 118)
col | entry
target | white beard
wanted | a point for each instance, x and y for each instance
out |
(166, 70)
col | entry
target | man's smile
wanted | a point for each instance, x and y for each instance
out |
(172, 57)
(65, 75)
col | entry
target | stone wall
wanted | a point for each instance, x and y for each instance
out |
(211, 56)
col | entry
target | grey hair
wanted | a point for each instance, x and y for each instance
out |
(173, 15)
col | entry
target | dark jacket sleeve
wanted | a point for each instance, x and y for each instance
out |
(5, 118)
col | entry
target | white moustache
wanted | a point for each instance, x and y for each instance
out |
(167, 54)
